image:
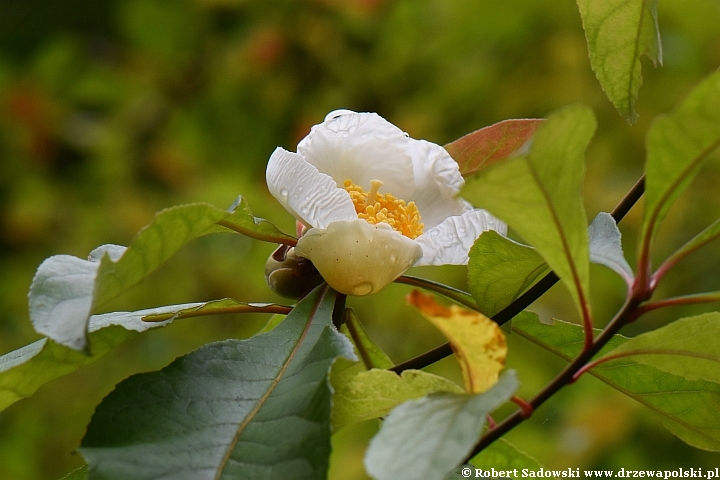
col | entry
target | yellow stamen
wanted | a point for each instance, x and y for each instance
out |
(375, 207)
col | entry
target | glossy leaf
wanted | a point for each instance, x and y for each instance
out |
(539, 196)
(25, 370)
(688, 408)
(689, 348)
(478, 150)
(677, 144)
(242, 220)
(256, 408)
(215, 307)
(433, 434)
(66, 290)
(606, 246)
(477, 342)
(499, 270)
(374, 393)
(618, 33)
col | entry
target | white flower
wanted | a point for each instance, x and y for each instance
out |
(375, 201)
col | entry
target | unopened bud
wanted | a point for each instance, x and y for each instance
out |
(290, 276)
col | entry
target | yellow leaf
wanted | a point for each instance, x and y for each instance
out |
(477, 341)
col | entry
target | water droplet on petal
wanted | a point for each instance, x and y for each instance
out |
(284, 193)
(361, 289)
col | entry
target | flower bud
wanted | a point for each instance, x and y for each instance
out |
(288, 275)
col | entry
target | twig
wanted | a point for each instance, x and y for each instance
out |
(527, 298)
(562, 379)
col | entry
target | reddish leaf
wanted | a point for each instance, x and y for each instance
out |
(480, 149)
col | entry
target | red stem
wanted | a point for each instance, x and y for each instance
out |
(563, 378)
(649, 351)
(527, 298)
(526, 409)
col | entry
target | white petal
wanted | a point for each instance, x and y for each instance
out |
(442, 169)
(449, 242)
(311, 196)
(437, 183)
(337, 113)
(356, 258)
(361, 147)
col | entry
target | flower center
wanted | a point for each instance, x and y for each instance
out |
(375, 207)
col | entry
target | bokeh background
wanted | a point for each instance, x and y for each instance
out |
(113, 110)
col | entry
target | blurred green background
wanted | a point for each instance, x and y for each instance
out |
(113, 110)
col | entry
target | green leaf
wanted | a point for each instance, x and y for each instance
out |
(66, 290)
(25, 370)
(371, 355)
(272, 322)
(374, 393)
(242, 220)
(460, 472)
(430, 436)
(618, 33)
(688, 347)
(499, 270)
(499, 460)
(688, 408)
(256, 408)
(539, 196)
(216, 307)
(78, 474)
(700, 240)
(365, 349)
(606, 246)
(502, 455)
(478, 150)
(677, 144)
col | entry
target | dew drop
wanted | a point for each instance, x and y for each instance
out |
(284, 193)
(361, 289)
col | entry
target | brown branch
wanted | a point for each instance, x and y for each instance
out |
(527, 298)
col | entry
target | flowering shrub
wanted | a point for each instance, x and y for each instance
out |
(370, 204)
